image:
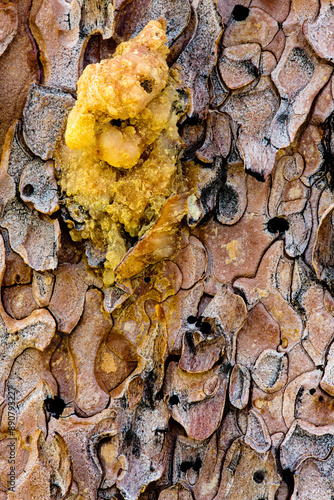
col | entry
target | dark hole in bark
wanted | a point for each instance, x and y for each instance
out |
(197, 465)
(205, 328)
(277, 225)
(55, 406)
(312, 391)
(174, 400)
(147, 279)
(191, 464)
(28, 190)
(258, 476)
(186, 465)
(191, 320)
(240, 13)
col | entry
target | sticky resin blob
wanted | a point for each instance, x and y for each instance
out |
(119, 163)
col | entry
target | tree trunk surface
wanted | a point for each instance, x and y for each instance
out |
(166, 250)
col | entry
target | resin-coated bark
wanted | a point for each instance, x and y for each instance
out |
(197, 364)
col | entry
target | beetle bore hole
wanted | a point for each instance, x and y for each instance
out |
(320, 399)
(277, 225)
(205, 328)
(312, 391)
(147, 279)
(197, 465)
(55, 406)
(28, 190)
(186, 465)
(174, 400)
(258, 476)
(191, 320)
(240, 13)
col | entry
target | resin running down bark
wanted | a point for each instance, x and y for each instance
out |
(122, 164)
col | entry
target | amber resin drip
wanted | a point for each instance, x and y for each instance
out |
(120, 161)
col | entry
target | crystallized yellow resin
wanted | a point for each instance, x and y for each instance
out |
(120, 163)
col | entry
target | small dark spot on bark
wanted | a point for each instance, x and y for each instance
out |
(240, 13)
(277, 225)
(197, 464)
(28, 190)
(55, 406)
(205, 328)
(186, 465)
(258, 476)
(173, 400)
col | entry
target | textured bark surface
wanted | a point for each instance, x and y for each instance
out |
(206, 372)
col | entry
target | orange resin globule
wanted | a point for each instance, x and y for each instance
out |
(120, 161)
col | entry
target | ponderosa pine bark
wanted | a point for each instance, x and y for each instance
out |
(166, 250)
